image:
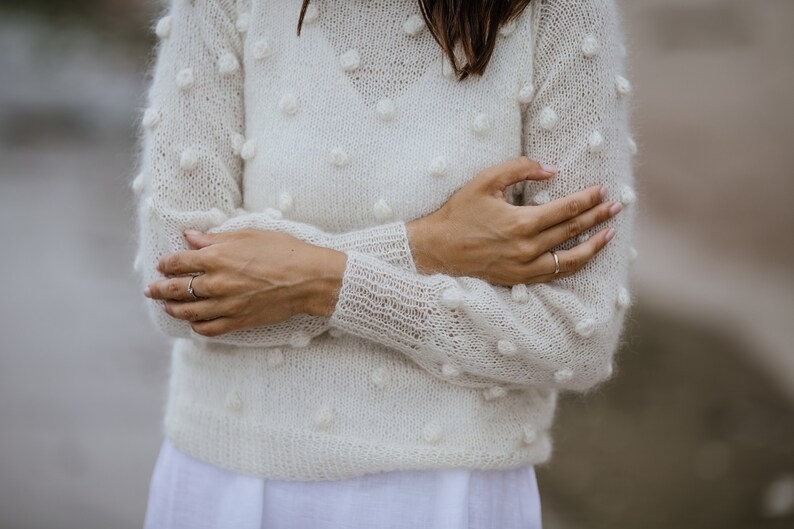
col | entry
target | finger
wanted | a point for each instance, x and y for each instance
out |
(201, 310)
(183, 262)
(200, 239)
(176, 289)
(499, 177)
(571, 261)
(555, 235)
(562, 209)
(214, 327)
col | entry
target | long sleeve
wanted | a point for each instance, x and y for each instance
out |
(191, 162)
(562, 334)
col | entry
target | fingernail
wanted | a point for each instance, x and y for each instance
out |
(548, 168)
(610, 234)
(603, 191)
(615, 209)
(147, 292)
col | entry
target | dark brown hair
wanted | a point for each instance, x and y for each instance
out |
(474, 24)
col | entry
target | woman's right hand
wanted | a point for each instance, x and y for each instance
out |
(478, 233)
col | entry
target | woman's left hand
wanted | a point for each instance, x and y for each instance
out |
(247, 278)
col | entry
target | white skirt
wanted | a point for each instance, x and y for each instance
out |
(186, 493)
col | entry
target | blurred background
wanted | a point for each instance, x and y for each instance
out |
(696, 428)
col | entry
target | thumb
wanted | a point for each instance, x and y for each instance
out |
(199, 239)
(501, 176)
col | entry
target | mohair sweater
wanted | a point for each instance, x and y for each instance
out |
(339, 137)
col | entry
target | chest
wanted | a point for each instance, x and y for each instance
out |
(358, 120)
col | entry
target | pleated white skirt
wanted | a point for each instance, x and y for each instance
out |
(186, 493)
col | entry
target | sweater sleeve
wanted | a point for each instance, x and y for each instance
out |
(191, 166)
(562, 334)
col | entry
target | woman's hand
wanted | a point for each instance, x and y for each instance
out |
(477, 233)
(248, 278)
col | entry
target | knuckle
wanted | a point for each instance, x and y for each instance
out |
(172, 262)
(525, 249)
(173, 289)
(573, 227)
(574, 206)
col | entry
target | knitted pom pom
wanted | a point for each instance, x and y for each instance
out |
(450, 370)
(627, 195)
(506, 347)
(481, 124)
(526, 93)
(622, 85)
(350, 60)
(288, 104)
(583, 238)
(238, 140)
(139, 184)
(248, 151)
(379, 376)
(234, 402)
(507, 29)
(547, 118)
(285, 202)
(300, 339)
(590, 46)
(563, 375)
(261, 49)
(596, 142)
(528, 434)
(311, 14)
(438, 166)
(243, 21)
(623, 298)
(217, 216)
(541, 197)
(163, 29)
(519, 293)
(414, 25)
(151, 118)
(382, 210)
(228, 64)
(453, 298)
(385, 109)
(275, 357)
(188, 160)
(494, 392)
(586, 327)
(338, 157)
(150, 207)
(324, 417)
(273, 213)
(184, 78)
(432, 432)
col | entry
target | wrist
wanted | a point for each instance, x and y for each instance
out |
(328, 270)
(425, 246)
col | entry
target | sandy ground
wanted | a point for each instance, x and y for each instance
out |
(695, 430)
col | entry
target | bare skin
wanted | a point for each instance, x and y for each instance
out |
(258, 277)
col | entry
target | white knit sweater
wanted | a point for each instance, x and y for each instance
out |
(339, 137)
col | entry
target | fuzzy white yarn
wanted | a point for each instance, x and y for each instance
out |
(470, 368)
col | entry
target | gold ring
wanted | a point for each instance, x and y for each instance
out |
(556, 262)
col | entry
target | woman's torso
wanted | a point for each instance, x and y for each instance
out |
(391, 138)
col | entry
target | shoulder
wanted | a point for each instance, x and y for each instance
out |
(566, 18)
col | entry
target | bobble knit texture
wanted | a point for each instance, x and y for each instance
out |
(339, 137)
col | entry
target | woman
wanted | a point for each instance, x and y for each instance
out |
(376, 291)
